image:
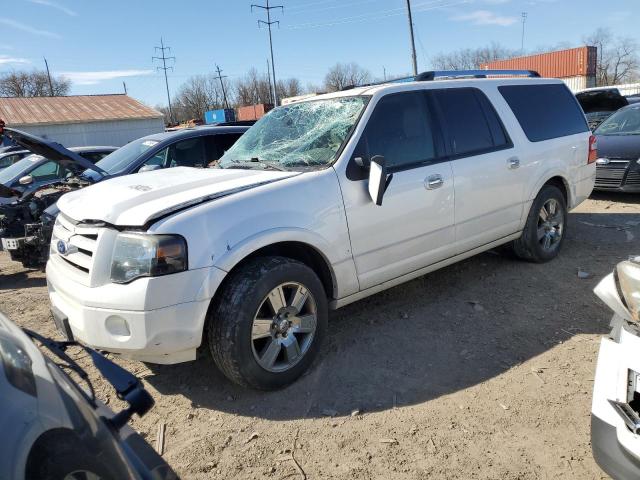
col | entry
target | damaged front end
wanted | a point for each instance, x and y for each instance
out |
(26, 224)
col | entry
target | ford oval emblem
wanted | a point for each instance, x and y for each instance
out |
(62, 247)
(603, 161)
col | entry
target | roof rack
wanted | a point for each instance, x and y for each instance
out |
(442, 74)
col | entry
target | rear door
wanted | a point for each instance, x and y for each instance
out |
(489, 180)
(413, 227)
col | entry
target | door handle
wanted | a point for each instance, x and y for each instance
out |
(433, 181)
(513, 162)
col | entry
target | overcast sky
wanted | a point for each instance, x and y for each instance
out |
(99, 44)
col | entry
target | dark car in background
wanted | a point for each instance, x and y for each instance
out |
(599, 103)
(618, 165)
(35, 171)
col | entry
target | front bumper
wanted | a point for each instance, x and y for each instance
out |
(157, 320)
(619, 175)
(615, 447)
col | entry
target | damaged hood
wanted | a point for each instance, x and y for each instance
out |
(136, 200)
(52, 151)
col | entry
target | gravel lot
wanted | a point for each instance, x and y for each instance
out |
(481, 370)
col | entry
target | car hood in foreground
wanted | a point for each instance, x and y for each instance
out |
(619, 146)
(136, 200)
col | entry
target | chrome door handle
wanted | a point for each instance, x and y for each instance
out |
(513, 162)
(433, 181)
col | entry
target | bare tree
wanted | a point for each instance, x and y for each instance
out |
(199, 94)
(290, 87)
(343, 75)
(254, 88)
(471, 58)
(618, 60)
(32, 84)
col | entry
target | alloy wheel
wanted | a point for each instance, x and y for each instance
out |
(550, 225)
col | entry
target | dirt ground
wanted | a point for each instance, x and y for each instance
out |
(481, 370)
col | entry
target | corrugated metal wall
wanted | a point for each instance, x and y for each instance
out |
(580, 82)
(560, 64)
(112, 133)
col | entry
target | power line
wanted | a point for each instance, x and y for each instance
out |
(414, 59)
(49, 77)
(164, 67)
(267, 8)
(224, 92)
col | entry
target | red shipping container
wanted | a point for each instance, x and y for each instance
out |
(560, 64)
(253, 112)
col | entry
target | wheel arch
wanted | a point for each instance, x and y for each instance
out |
(557, 179)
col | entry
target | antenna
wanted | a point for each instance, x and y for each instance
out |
(268, 23)
(164, 67)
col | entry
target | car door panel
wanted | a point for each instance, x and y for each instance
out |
(414, 226)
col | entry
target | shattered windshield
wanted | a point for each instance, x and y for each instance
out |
(623, 122)
(306, 134)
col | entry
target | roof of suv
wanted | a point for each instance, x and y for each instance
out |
(399, 87)
(196, 132)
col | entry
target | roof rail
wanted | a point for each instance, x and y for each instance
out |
(432, 75)
(435, 74)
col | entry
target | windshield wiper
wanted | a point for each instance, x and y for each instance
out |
(255, 161)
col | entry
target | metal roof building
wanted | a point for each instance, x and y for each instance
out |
(82, 120)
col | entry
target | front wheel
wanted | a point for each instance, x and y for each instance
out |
(544, 231)
(267, 324)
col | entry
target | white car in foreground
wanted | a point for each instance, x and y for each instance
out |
(321, 203)
(615, 412)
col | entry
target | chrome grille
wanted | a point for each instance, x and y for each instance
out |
(74, 247)
(611, 175)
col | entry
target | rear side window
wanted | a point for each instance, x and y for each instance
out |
(545, 111)
(400, 130)
(470, 121)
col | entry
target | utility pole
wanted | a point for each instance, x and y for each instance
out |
(384, 71)
(268, 23)
(49, 77)
(524, 20)
(269, 77)
(125, 87)
(164, 67)
(414, 58)
(224, 92)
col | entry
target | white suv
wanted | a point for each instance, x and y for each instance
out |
(321, 203)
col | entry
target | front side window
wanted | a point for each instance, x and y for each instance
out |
(623, 122)
(48, 171)
(545, 111)
(304, 134)
(187, 153)
(217, 145)
(400, 130)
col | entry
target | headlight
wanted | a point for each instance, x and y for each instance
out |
(138, 255)
(17, 366)
(628, 274)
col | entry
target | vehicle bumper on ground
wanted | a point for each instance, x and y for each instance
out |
(157, 320)
(618, 175)
(616, 448)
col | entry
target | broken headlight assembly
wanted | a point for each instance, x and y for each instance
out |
(143, 255)
(628, 280)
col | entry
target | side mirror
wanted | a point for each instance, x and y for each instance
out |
(379, 179)
(149, 168)
(26, 180)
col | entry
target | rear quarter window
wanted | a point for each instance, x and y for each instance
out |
(545, 111)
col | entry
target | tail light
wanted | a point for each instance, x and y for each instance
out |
(593, 149)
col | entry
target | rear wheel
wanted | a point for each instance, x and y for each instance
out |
(267, 324)
(544, 231)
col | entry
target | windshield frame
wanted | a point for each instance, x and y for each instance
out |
(339, 151)
(620, 112)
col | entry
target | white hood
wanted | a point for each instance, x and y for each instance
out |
(134, 200)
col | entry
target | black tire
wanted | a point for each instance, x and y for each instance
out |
(230, 320)
(528, 247)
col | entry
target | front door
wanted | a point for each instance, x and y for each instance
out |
(414, 226)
